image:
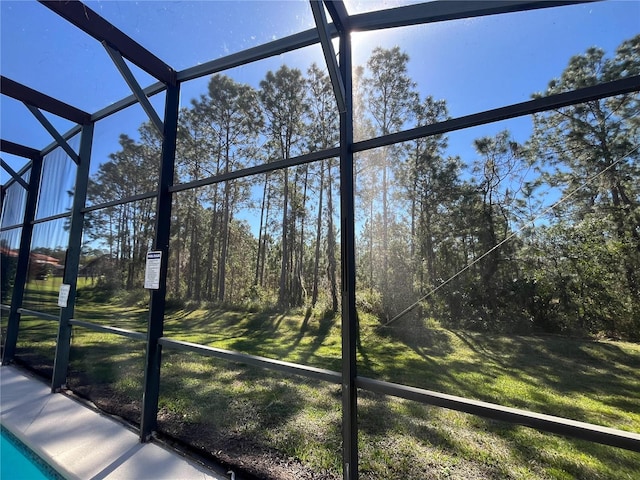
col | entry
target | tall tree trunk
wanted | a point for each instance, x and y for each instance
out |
(257, 277)
(429, 250)
(331, 244)
(385, 228)
(265, 237)
(316, 262)
(222, 263)
(193, 259)
(300, 290)
(490, 262)
(178, 248)
(371, 285)
(283, 293)
(225, 246)
(212, 245)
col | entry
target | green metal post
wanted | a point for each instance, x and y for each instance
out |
(13, 323)
(157, 303)
(72, 261)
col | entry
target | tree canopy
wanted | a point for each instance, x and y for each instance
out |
(468, 239)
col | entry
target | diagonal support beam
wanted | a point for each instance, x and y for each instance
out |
(339, 15)
(127, 74)
(15, 176)
(93, 24)
(54, 133)
(329, 53)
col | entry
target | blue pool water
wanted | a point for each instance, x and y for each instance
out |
(17, 462)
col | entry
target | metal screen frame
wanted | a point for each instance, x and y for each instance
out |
(121, 46)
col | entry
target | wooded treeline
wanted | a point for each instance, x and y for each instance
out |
(470, 236)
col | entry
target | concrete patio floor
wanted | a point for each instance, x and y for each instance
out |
(82, 443)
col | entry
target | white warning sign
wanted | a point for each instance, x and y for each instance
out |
(63, 295)
(152, 272)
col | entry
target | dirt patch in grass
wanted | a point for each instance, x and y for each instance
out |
(106, 400)
(244, 455)
(247, 457)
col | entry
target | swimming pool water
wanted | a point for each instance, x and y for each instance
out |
(17, 462)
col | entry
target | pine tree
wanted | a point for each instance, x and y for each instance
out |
(283, 98)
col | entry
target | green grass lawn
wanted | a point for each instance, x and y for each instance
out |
(239, 413)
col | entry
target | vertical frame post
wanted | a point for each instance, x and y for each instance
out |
(155, 327)
(17, 296)
(72, 262)
(349, 314)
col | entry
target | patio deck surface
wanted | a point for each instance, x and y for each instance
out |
(82, 443)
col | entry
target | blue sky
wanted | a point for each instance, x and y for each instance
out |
(475, 64)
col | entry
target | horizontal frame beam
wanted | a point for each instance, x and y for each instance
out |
(115, 203)
(258, 169)
(37, 99)
(105, 329)
(19, 150)
(42, 315)
(10, 227)
(94, 25)
(539, 421)
(443, 10)
(538, 105)
(277, 47)
(51, 218)
(271, 49)
(256, 361)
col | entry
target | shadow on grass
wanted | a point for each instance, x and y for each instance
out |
(537, 373)
(473, 447)
(562, 365)
(233, 410)
(574, 378)
(108, 371)
(42, 295)
(564, 457)
(35, 348)
(236, 413)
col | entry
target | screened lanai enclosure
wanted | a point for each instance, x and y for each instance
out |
(326, 239)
